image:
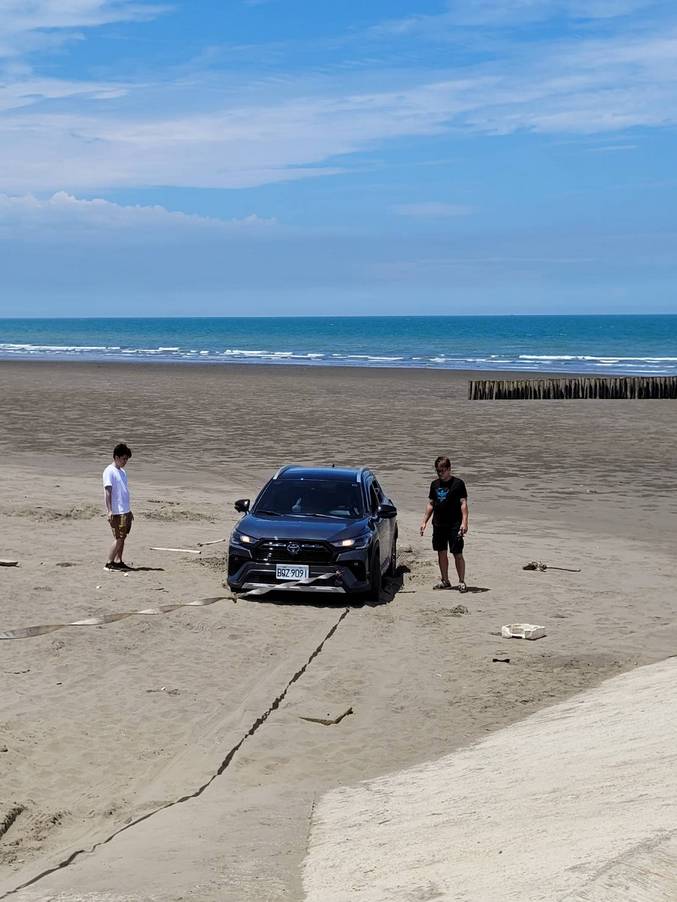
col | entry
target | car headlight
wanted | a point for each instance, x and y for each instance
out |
(357, 542)
(239, 538)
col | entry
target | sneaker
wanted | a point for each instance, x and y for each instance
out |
(462, 587)
(109, 565)
(443, 584)
(120, 565)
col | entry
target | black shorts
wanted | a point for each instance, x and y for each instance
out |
(447, 537)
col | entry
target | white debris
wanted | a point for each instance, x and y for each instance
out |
(522, 631)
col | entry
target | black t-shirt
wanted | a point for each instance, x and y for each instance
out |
(446, 501)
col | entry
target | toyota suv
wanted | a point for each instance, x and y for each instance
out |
(325, 529)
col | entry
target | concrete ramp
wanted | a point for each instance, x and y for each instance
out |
(577, 803)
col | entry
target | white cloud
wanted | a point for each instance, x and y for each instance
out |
(64, 212)
(18, 93)
(508, 14)
(298, 130)
(612, 148)
(27, 25)
(228, 148)
(209, 131)
(431, 210)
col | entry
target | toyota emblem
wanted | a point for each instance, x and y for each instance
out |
(293, 548)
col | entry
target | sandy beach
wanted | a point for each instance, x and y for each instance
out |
(193, 719)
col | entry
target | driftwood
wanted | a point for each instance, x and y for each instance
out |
(539, 565)
(179, 550)
(215, 542)
(6, 563)
(573, 388)
(328, 721)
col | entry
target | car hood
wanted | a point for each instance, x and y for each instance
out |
(310, 528)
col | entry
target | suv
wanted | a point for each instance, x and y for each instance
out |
(310, 522)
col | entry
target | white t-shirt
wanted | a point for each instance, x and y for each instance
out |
(117, 480)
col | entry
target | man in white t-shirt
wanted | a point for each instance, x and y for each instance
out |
(118, 507)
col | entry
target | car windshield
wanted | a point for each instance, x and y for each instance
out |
(311, 498)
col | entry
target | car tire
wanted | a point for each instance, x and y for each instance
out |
(374, 592)
(392, 566)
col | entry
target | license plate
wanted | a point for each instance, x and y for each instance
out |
(297, 571)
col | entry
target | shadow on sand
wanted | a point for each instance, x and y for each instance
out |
(144, 570)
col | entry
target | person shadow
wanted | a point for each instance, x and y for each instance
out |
(131, 569)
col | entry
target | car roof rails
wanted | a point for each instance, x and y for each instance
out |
(282, 469)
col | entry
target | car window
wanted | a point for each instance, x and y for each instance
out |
(373, 498)
(311, 497)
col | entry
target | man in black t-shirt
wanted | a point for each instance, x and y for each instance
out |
(448, 506)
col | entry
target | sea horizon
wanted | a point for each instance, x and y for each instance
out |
(4, 319)
(613, 344)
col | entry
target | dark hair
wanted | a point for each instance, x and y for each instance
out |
(442, 461)
(122, 450)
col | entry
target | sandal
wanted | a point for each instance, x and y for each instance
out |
(443, 584)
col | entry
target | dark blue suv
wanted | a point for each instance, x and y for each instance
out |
(315, 529)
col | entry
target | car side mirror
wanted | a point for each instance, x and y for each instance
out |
(386, 511)
(242, 505)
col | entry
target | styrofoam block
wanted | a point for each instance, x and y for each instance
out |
(522, 631)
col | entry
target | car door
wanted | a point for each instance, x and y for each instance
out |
(383, 525)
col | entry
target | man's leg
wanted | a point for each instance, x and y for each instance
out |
(443, 559)
(116, 550)
(459, 560)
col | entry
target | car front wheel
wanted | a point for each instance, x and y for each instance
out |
(392, 566)
(375, 575)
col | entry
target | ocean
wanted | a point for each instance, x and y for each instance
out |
(615, 345)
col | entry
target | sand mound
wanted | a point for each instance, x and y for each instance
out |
(574, 803)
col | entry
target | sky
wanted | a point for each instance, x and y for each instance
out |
(289, 157)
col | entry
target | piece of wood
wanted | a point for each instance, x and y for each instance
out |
(4, 562)
(328, 721)
(215, 542)
(539, 565)
(178, 550)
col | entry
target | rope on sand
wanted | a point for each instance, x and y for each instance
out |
(28, 632)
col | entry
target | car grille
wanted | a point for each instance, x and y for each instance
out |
(308, 553)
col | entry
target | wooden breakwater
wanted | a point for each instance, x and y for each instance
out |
(573, 388)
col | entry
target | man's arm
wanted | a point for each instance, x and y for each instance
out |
(464, 516)
(426, 516)
(108, 498)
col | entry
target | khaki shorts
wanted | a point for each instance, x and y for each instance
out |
(121, 524)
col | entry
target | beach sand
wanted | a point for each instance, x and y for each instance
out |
(103, 725)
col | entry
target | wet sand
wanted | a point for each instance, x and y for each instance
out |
(105, 724)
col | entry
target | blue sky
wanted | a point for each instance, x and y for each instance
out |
(251, 157)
